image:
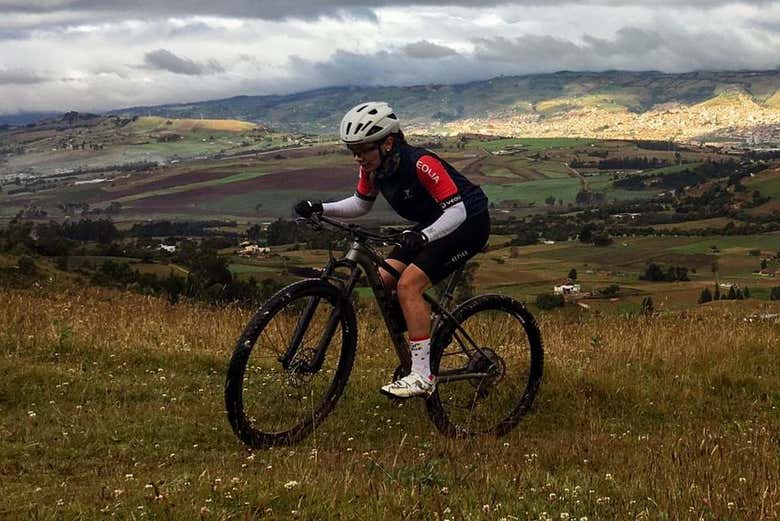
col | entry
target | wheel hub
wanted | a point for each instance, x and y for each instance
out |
(486, 361)
(300, 372)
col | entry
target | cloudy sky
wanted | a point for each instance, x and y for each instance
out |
(102, 54)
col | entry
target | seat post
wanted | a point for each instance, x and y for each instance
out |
(449, 289)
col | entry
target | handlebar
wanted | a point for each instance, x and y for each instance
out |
(356, 232)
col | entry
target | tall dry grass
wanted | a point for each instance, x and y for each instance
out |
(111, 406)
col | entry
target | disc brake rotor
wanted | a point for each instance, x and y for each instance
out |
(486, 361)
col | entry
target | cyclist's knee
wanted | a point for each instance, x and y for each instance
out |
(411, 285)
(388, 280)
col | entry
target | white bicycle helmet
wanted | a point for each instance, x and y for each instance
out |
(368, 122)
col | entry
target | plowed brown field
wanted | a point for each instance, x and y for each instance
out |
(304, 180)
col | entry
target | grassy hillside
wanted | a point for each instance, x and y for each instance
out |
(674, 417)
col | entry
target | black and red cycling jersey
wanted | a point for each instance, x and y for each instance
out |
(422, 187)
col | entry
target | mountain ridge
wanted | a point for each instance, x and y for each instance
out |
(509, 104)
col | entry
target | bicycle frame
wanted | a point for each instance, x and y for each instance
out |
(361, 257)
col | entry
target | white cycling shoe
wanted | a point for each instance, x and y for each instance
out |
(410, 386)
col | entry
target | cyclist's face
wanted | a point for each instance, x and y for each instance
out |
(367, 155)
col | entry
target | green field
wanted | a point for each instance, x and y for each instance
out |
(673, 169)
(564, 188)
(768, 185)
(534, 191)
(552, 169)
(188, 147)
(740, 242)
(604, 184)
(531, 144)
(240, 269)
(498, 171)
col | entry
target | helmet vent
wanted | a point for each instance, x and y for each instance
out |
(367, 122)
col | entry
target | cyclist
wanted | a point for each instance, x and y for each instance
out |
(451, 216)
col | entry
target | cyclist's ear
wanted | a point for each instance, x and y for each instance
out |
(388, 143)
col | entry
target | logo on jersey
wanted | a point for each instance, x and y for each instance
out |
(407, 193)
(426, 169)
(452, 201)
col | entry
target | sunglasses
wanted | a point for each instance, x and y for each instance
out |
(361, 150)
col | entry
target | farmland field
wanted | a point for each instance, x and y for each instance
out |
(766, 182)
(533, 144)
(534, 191)
(286, 169)
(741, 243)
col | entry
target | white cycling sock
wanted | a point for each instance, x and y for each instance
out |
(421, 354)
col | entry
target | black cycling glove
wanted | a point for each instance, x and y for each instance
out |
(413, 240)
(308, 208)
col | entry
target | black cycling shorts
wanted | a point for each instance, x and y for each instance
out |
(443, 256)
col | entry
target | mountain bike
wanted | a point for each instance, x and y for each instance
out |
(292, 361)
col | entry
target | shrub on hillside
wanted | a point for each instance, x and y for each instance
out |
(774, 294)
(656, 273)
(27, 265)
(601, 239)
(648, 308)
(610, 291)
(547, 301)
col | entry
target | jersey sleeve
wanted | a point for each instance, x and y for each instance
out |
(365, 188)
(435, 178)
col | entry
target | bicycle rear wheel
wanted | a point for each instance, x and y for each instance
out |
(487, 387)
(276, 394)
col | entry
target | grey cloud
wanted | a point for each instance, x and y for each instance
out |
(147, 9)
(630, 40)
(668, 50)
(19, 77)
(532, 48)
(386, 68)
(425, 50)
(162, 59)
(277, 9)
(14, 35)
(770, 26)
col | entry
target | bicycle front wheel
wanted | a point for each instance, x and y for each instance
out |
(488, 371)
(291, 364)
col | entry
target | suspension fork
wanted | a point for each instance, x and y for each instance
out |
(330, 327)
